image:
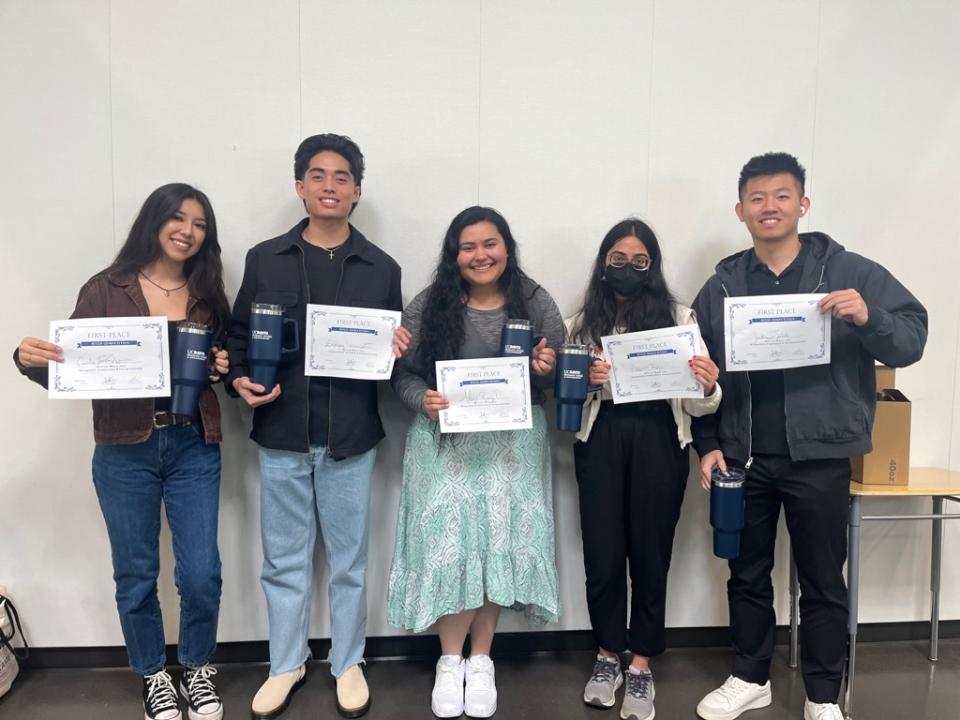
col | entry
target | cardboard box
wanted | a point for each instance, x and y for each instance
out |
(886, 378)
(889, 463)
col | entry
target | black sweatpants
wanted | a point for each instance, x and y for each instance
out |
(631, 474)
(815, 496)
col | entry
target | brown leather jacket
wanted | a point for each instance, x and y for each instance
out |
(125, 422)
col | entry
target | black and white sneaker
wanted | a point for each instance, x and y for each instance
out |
(197, 689)
(160, 697)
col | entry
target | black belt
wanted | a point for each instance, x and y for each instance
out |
(168, 419)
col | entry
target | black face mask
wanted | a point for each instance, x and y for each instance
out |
(625, 280)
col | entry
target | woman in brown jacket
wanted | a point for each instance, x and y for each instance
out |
(169, 266)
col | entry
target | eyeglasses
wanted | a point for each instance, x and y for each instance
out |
(640, 263)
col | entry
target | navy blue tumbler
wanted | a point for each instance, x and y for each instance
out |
(516, 338)
(189, 366)
(266, 342)
(570, 385)
(726, 511)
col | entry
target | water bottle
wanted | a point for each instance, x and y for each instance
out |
(516, 338)
(727, 496)
(570, 385)
(189, 366)
(266, 342)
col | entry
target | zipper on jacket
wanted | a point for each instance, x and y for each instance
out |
(306, 301)
(336, 299)
(823, 270)
(749, 424)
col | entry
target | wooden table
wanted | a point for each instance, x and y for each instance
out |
(938, 484)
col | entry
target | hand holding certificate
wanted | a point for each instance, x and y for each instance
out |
(653, 364)
(775, 332)
(110, 358)
(485, 394)
(350, 342)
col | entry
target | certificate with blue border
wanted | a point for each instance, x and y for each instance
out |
(110, 358)
(653, 364)
(775, 332)
(485, 394)
(350, 342)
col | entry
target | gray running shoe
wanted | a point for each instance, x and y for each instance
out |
(606, 678)
(638, 697)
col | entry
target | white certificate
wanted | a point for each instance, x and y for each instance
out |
(653, 364)
(110, 358)
(350, 342)
(485, 394)
(775, 332)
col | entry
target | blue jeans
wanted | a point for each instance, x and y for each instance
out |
(295, 490)
(175, 466)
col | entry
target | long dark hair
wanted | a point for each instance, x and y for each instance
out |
(204, 270)
(652, 308)
(442, 330)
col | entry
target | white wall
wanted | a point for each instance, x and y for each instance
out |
(564, 115)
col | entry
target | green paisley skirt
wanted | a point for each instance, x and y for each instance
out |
(475, 522)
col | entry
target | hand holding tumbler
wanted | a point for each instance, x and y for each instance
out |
(516, 338)
(266, 342)
(727, 497)
(570, 385)
(189, 366)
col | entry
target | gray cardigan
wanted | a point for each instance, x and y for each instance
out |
(481, 339)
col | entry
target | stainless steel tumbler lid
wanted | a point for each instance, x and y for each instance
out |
(728, 483)
(517, 324)
(732, 478)
(573, 349)
(193, 328)
(265, 309)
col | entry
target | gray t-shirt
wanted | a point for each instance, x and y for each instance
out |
(481, 339)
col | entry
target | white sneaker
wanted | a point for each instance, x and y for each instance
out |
(446, 700)
(821, 711)
(480, 698)
(734, 698)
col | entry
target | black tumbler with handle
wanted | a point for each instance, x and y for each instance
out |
(516, 338)
(570, 385)
(189, 366)
(266, 342)
(727, 495)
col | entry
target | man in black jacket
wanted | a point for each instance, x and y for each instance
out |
(317, 436)
(795, 430)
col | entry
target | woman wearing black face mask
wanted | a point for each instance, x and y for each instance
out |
(632, 466)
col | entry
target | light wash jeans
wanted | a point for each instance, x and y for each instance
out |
(174, 466)
(296, 489)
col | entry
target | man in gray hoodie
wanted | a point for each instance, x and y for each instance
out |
(795, 430)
